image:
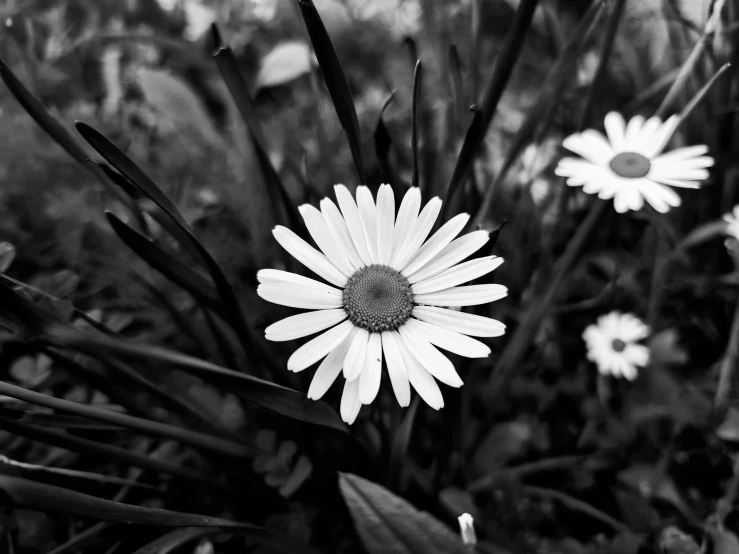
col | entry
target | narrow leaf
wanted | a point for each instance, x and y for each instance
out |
(127, 167)
(401, 440)
(464, 160)
(336, 82)
(232, 76)
(104, 451)
(417, 73)
(26, 494)
(183, 235)
(176, 271)
(41, 115)
(174, 539)
(200, 440)
(283, 400)
(388, 524)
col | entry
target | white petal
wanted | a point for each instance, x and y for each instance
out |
(296, 296)
(336, 224)
(308, 256)
(646, 136)
(407, 215)
(458, 274)
(325, 239)
(436, 243)
(430, 358)
(421, 379)
(369, 380)
(463, 296)
(662, 137)
(593, 151)
(330, 368)
(676, 183)
(353, 222)
(615, 128)
(449, 340)
(368, 217)
(699, 162)
(461, 322)
(315, 349)
(682, 154)
(396, 367)
(679, 174)
(416, 234)
(385, 223)
(349, 401)
(354, 361)
(633, 128)
(302, 325)
(277, 276)
(454, 252)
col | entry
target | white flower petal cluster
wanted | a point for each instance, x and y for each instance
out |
(387, 294)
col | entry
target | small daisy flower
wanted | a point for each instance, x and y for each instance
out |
(389, 294)
(732, 223)
(628, 165)
(612, 344)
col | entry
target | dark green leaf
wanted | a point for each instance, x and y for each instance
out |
(336, 82)
(174, 539)
(180, 230)
(388, 524)
(229, 68)
(401, 440)
(41, 115)
(128, 168)
(25, 494)
(417, 73)
(104, 451)
(273, 397)
(176, 271)
(200, 440)
(464, 160)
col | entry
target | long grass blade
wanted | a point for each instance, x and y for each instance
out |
(186, 238)
(176, 271)
(106, 452)
(333, 75)
(464, 160)
(232, 76)
(30, 495)
(174, 539)
(540, 115)
(417, 74)
(273, 397)
(153, 428)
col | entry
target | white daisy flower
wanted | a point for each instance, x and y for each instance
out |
(732, 223)
(612, 344)
(388, 295)
(628, 165)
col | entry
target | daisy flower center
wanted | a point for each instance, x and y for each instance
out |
(630, 165)
(618, 345)
(378, 298)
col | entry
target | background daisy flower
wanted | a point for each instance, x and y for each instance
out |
(388, 296)
(628, 165)
(612, 344)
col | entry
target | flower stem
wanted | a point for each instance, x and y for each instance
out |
(540, 306)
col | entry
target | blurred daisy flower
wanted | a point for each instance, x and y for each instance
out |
(732, 223)
(628, 165)
(612, 344)
(388, 295)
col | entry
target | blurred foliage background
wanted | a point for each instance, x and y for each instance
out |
(540, 466)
